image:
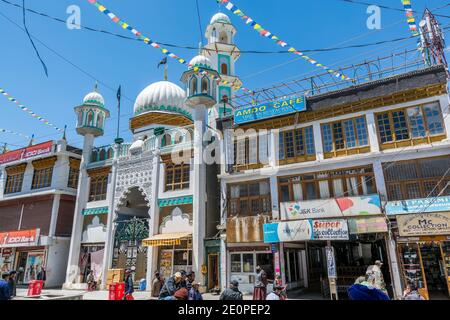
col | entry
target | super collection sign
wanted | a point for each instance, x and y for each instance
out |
(270, 110)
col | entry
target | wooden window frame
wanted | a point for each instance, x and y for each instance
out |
(428, 138)
(98, 188)
(247, 165)
(237, 201)
(43, 173)
(173, 169)
(14, 178)
(297, 157)
(358, 149)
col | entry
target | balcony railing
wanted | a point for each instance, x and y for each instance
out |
(102, 153)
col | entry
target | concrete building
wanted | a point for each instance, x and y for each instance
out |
(37, 199)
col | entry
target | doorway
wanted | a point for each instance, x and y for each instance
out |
(213, 271)
(434, 269)
(295, 266)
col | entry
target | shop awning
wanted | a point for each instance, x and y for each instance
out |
(166, 239)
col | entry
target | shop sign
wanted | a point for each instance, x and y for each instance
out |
(367, 225)
(330, 230)
(424, 224)
(330, 208)
(300, 230)
(433, 204)
(6, 252)
(20, 238)
(26, 153)
(270, 110)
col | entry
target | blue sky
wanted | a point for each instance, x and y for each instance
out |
(114, 61)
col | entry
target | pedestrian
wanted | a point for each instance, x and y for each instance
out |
(12, 283)
(4, 287)
(92, 284)
(183, 282)
(364, 289)
(279, 282)
(378, 275)
(180, 294)
(42, 274)
(129, 285)
(260, 289)
(275, 294)
(157, 284)
(190, 278)
(232, 293)
(411, 293)
(194, 293)
(171, 285)
(20, 275)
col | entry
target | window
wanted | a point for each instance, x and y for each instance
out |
(416, 122)
(177, 176)
(224, 68)
(14, 178)
(247, 262)
(249, 199)
(193, 85)
(42, 178)
(324, 185)
(251, 151)
(205, 85)
(223, 37)
(74, 173)
(342, 135)
(417, 178)
(90, 119)
(296, 143)
(100, 121)
(98, 187)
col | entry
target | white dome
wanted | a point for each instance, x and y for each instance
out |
(94, 97)
(162, 95)
(136, 146)
(200, 61)
(220, 17)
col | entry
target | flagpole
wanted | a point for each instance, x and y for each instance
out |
(118, 140)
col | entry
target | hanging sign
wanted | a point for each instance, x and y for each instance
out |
(330, 230)
(21, 238)
(331, 262)
(424, 224)
(26, 153)
(270, 110)
(367, 225)
(425, 205)
(300, 230)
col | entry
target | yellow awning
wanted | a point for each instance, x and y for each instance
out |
(166, 239)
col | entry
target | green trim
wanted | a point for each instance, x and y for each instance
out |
(91, 211)
(181, 111)
(97, 103)
(170, 202)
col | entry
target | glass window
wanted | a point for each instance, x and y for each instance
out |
(296, 143)
(350, 137)
(177, 176)
(299, 142)
(97, 188)
(400, 125)
(247, 262)
(327, 138)
(434, 118)
(249, 199)
(281, 146)
(265, 261)
(416, 122)
(42, 178)
(289, 141)
(361, 129)
(384, 128)
(310, 140)
(236, 264)
(14, 183)
(338, 136)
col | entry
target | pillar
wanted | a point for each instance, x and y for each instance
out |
(77, 228)
(54, 216)
(372, 132)
(318, 144)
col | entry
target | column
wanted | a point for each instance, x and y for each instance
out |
(223, 237)
(379, 178)
(60, 171)
(372, 132)
(199, 190)
(54, 217)
(274, 197)
(394, 266)
(273, 147)
(109, 241)
(77, 228)
(318, 144)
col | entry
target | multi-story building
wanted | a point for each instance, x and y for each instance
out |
(306, 181)
(37, 200)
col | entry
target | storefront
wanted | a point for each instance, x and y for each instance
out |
(423, 244)
(354, 227)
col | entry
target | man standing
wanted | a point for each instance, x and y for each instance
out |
(171, 286)
(375, 270)
(12, 283)
(194, 293)
(232, 293)
(4, 287)
(260, 290)
(129, 285)
(157, 284)
(190, 280)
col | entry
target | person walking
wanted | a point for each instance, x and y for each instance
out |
(12, 283)
(411, 293)
(129, 285)
(157, 284)
(171, 285)
(92, 284)
(260, 289)
(275, 294)
(232, 293)
(4, 287)
(194, 293)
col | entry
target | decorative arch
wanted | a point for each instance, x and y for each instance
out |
(166, 140)
(223, 37)
(205, 85)
(176, 221)
(193, 85)
(90, 118)
(224, 68)
(123, 198)
(102, 155)
(100, 119)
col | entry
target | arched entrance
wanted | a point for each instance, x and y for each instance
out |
(131, 227)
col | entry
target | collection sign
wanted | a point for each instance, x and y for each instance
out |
(270, 110)
(425, 224)
(426, 205)
(330, 208)
(26, 153)
(330, 230)
(21, 238)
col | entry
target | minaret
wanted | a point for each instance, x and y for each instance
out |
(91, 117)
(223, 54)
(201, 90)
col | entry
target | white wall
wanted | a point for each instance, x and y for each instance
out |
(57, 257)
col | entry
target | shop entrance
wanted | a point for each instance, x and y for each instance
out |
(213, 271)
(434, 268)
(29, 266)
(295, 268)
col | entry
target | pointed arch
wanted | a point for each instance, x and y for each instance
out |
(223, 37)
(193, 85)
(224, 68)
(205, 85)
(90, 118)
(100, 119)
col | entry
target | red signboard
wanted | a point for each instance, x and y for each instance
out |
(26, 153)
(19, 238)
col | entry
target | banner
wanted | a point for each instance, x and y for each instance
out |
(28, 110)
(330, 230)
(270, 110)
(26, 153)
(21, 238)
(267, 34)
(425, 224)
(424, 205)
(330, 208)
(367, 225)
(410, 17)
(300, 230)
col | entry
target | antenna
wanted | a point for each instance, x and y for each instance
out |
(432, 39)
